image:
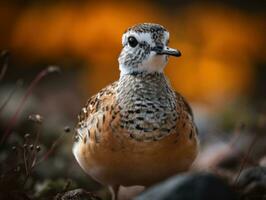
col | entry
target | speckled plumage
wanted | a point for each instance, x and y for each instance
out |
(148, 106)
(138, 130)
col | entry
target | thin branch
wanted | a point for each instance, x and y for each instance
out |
(5, 56)
(18, 84)
(245, 159)
(34, 152)
(50, 151)
(25, 160)
(36, 80)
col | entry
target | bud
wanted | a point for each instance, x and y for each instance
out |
(38, 148)
(67, 129)
(31, 147)
(53, 68)
(36, 118)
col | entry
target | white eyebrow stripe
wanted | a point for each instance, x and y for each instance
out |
(141, 37)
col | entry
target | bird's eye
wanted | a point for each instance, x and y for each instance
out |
(132, 41)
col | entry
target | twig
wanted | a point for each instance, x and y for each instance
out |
(35, 81)
(5, 56)
(48, 153)
(34, 153)
(18, 84)
(237, 135)
(25, 160)
(245, 159)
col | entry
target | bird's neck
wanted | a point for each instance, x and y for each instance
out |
(137, 81)
(142, 86)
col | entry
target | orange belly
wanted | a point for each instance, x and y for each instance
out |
(119, 160)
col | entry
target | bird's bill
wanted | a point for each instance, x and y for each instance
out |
(171, 52)
(167, 51)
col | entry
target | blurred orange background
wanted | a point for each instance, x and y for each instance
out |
(221, 43)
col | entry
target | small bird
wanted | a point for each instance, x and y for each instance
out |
(138, 130)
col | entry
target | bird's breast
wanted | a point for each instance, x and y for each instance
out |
(147, 107)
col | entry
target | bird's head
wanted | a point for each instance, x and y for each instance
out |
(145, 49)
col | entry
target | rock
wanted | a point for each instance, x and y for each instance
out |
(252, 183)
(127, 193)
(197, 186)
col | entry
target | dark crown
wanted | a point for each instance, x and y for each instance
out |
(146, 27)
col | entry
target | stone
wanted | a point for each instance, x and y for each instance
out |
(196, 186)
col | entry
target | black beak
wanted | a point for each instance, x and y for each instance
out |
(166, 51)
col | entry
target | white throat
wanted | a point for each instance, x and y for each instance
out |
(154, 63)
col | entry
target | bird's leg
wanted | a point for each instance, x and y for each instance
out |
(114, 189)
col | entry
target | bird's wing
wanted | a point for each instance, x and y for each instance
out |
(95, 113)
(186, 119)
(185, 105)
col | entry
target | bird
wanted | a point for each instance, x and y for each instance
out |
(138, 130)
